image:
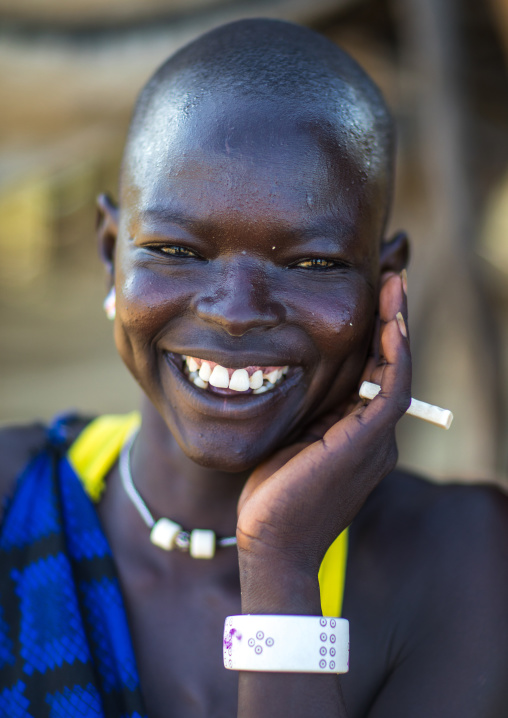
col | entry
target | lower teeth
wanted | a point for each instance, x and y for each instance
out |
(199, 382)
(262, 389)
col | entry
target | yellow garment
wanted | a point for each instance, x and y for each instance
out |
(95, 451)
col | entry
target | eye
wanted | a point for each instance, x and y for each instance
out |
(176, 251)
(173, 250)
(316, 263)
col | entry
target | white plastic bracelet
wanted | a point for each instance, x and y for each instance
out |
(292, 644)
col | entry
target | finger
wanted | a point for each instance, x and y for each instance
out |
(389, 304)
(404, 310)
(373, 356)
(394, 371)
(393, 298)
(392, 302)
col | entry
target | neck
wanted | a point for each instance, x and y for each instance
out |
(174, 486)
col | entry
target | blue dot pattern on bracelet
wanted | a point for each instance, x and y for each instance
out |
(65, 647)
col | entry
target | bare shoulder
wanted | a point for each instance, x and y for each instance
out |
(428, 529)
(409, 508)
(18, 444)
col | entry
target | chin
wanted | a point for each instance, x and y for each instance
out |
(228, 451)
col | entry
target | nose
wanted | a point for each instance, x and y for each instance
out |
(240, 300)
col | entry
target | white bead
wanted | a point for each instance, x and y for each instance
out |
(164, 533)
(202, 543)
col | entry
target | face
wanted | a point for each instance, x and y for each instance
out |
(249, 244)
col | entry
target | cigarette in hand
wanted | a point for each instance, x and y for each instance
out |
(422, 410)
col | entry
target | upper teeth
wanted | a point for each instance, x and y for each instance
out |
(256, 380)
(274, 375)
(239, 380)
(204, 371)
(202, 374)
(219, 377)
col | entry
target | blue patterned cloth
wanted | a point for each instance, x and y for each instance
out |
(65, 647)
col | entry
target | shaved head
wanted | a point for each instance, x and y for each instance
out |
(297, 76)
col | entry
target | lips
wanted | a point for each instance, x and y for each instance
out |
(213, 377)
(229, 404)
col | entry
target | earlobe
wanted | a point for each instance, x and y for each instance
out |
(394, 255)
(107, 231)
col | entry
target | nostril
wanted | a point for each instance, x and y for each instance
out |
(238, 314)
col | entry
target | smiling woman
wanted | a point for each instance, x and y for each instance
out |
(252, 289)
(230, 258)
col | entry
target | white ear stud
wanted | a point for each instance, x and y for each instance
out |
(109, 304)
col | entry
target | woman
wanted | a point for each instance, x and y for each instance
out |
(252, 288)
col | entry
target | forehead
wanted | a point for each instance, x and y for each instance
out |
(253, 157)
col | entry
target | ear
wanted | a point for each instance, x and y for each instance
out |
(107, 231)
(394, 255)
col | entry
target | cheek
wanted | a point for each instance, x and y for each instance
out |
(147, 302)
(148, 296)
(339, 319)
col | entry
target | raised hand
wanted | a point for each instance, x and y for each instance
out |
(297, 502)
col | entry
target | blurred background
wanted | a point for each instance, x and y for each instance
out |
(69, 74)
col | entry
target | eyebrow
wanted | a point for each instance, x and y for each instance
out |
(155, 214)
(328, 225)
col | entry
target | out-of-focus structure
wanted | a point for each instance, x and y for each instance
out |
(69, 76)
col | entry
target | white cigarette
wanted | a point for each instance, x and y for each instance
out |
(422, 410)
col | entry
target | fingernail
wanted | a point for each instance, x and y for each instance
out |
(402, 324)
(403, 278)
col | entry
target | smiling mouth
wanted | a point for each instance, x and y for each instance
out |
(216, 379)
